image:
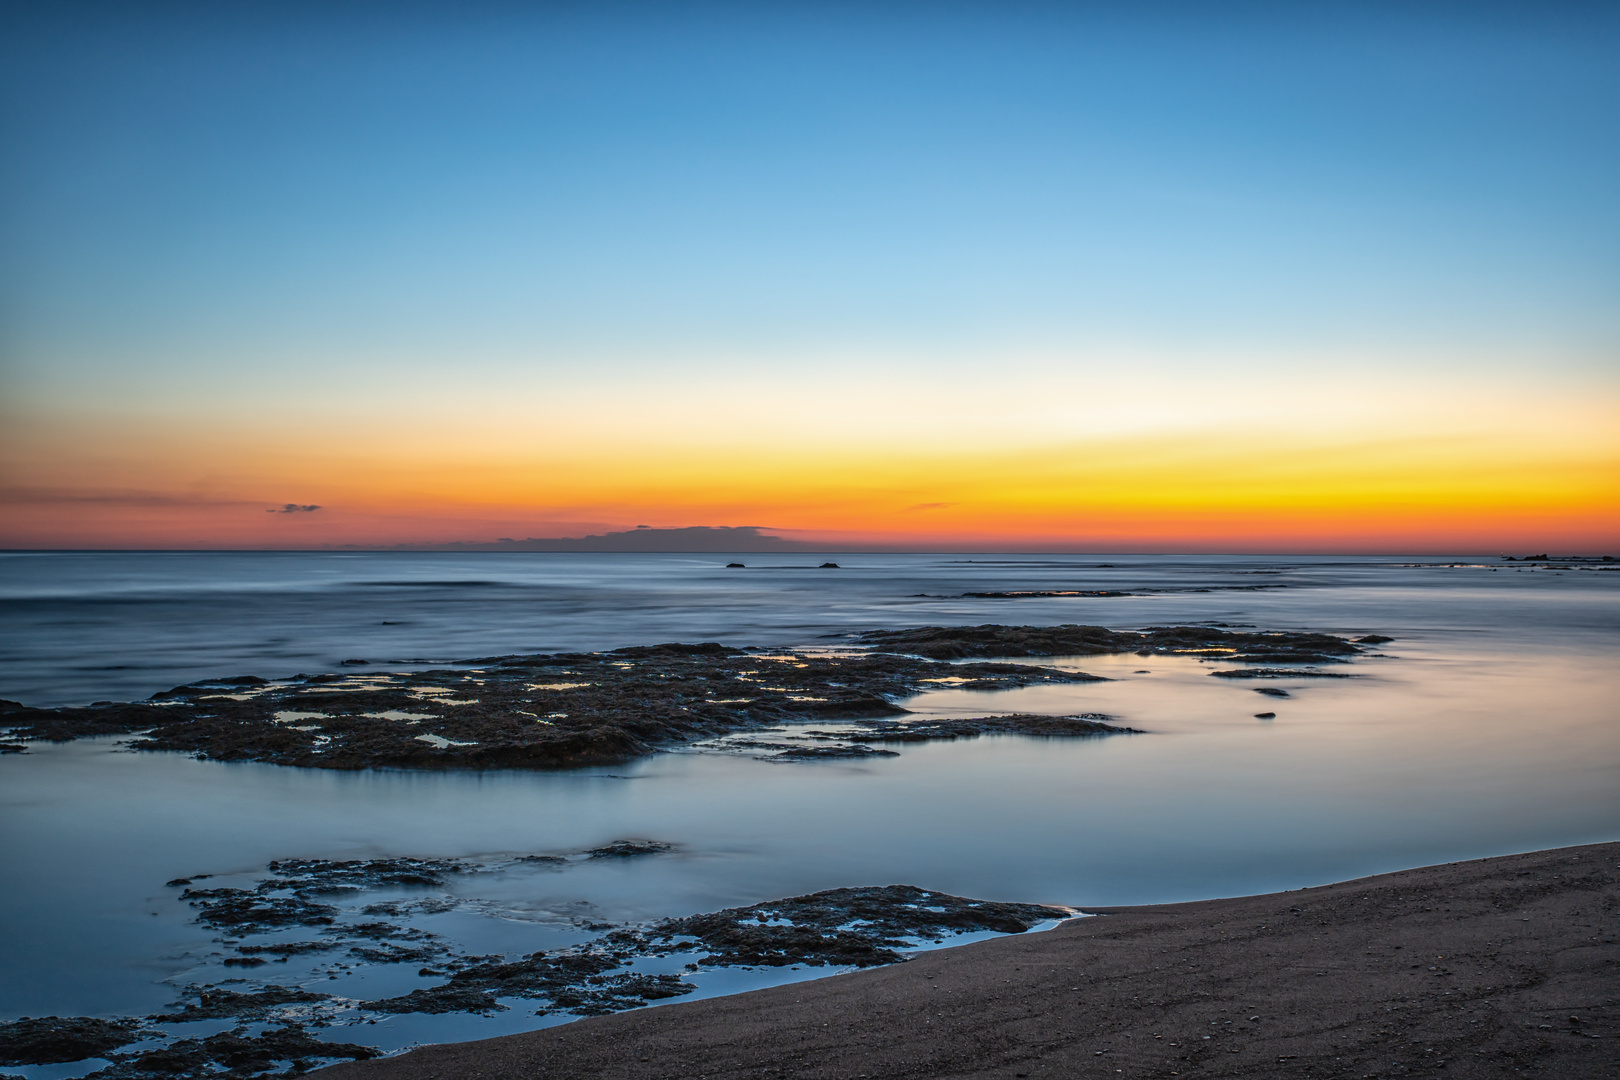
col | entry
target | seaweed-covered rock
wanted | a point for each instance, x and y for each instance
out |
(629, 849)
(218, 1003)
(828, 753)
(992, 639)
(543, 711)
(475, 988)
(1034, 594)
(972, 727)
(233, 1054)
(847, 927)
(314, 876)
(1279, 673)
(51, 1040)
(567, 710)
(246, 912)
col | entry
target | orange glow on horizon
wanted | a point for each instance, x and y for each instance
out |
(1210, 491)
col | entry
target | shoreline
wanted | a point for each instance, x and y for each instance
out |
(1493, 967)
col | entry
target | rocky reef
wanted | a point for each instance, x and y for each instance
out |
(565, 710)
(268, 1026)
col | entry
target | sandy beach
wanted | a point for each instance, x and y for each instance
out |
(1495, 967)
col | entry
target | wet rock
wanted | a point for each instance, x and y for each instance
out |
(8, 747)
(972, 727)
(613, 993)
(959, 642)
(217, 1003)
(828, 566)
(51, 1040)
(1279, 673)
(1265, 716)
(315, 876)
(475, 988)
(735, 566)
(243, 912)
(390, 953)
(567, 710)
(233, 1054)
(1270, 691)
(400, 909)
(285, 949)
(447, 998)
(853, 927)
(846, 927)
(828, 753)
(625, 849)
(1027, 594)
(1374, 639)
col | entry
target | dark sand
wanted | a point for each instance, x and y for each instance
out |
(1494, 968)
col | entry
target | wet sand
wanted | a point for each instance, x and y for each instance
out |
(1492, 968)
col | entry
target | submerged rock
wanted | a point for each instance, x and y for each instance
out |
(972, 727)
(1279, 673)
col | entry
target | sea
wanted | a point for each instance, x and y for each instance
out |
(1489, 725)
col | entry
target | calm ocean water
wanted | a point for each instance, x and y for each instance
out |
(1490, 725)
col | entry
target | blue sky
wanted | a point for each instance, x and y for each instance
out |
(625, 180)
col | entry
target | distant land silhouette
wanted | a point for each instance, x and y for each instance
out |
(641, 538)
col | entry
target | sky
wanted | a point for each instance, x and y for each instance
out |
(1216, 276)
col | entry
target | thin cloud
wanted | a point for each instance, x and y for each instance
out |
(928, 506)
(294, 508)
(18, 496)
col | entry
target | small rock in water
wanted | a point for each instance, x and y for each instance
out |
(1265, 716)
(624, 849)
(827, 753)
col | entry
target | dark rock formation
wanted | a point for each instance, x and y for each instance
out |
(49, 1040)
(960, 642)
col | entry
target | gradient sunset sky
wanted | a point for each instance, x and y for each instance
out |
(1148, 276)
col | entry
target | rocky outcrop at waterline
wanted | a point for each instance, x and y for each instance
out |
(567, 710)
